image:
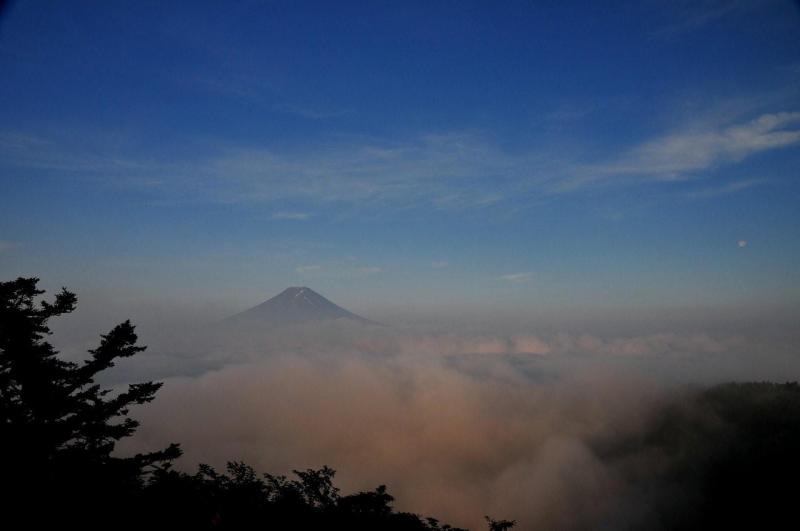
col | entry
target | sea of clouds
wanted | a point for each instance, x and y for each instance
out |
(457, 425)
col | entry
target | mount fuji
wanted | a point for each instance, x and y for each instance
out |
(293, 306)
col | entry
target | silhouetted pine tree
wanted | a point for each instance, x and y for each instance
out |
(58, 428)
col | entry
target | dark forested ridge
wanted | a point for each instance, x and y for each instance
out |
(727, 457)
(724, 457)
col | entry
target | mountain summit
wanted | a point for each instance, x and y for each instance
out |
(295, 305)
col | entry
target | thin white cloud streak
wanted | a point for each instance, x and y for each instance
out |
(291, 216)
(675, 156)
(308, 268)
(310, 113)
(263, 94)
(369, 270)
(517, 277)
(687, 151)
(693, 16)
(337, 270)
(725, 189)
(440, 264)
(570, 113)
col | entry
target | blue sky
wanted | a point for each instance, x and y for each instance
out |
(527, 154)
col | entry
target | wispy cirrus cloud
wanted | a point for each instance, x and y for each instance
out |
(291, 216)
(263, 94)
(725, 189)
(451, 172)
(674, 154)
(692, 16)
(337, 270)
(40, 153)
(310, 113)
(677, 155)
(308, 268)
(517, 277)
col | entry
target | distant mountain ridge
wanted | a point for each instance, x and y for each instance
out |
(293, 306)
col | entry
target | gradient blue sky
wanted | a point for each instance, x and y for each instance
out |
(529, 154)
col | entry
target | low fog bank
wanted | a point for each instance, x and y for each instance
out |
(686, 357)
(456, 424)
(714, 344)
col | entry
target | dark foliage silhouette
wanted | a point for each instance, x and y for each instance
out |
(57, 426)
(241, 499)
(499, 525)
